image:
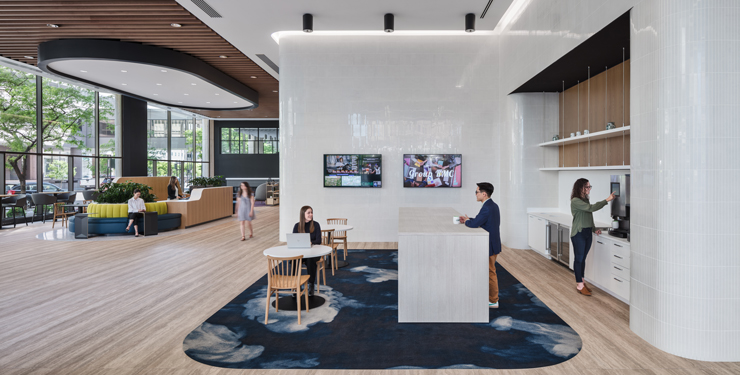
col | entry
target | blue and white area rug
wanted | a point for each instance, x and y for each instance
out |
(357, 328)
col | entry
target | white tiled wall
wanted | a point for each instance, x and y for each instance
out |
(390, 95)
(529, 119)
(685, 289)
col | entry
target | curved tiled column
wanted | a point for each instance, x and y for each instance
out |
(528, 120)
(685, 262)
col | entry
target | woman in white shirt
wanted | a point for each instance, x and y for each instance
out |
(135, 208)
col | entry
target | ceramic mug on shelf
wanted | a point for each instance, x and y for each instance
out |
(572, 135)
(555, 137)
(585, 132)
(578, 134)
(610, 126)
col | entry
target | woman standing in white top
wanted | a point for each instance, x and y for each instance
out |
(135, 208)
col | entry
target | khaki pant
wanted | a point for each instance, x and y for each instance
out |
(492, 279)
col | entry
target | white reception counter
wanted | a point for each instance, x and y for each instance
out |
(442, 268)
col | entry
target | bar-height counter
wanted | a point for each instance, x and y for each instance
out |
(442, 268)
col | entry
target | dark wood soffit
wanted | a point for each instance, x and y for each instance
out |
(23, 27)
(601, 51)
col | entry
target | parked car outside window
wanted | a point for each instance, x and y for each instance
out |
(32, 188)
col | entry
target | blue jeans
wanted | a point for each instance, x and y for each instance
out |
(581, 245)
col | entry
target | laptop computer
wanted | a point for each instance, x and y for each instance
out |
(299, 240)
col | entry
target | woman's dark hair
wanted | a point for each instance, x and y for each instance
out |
(173, 181)
(578, 189)
(137, 191)
(486, 187)
(302, 221)
(249, 189)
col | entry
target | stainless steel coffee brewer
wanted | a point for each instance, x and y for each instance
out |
(620, 186)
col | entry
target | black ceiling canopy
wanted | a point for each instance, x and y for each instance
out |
(146, 72)
(601, 51)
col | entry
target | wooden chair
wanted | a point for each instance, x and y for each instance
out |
(60, 211)
(326, 241)
(320, 269)
(340, 236)
(284, 276)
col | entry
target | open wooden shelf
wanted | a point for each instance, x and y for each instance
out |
(603, 167)
(593, 136)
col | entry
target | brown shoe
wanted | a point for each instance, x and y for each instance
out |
(586, 287)
(584, 291)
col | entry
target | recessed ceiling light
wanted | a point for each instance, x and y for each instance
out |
(83, 71)
(159, 84)
(52, 25)
(253, 77)
(224, 57)
(156, 94)
(274, 90)
(208, 102)
(124, 84)
(29, 57)
(234, 102)
(186, 94)
(175, 25)
(180, 102)
(163, 71)
(193, 84)
(218, 94)
(124, 71)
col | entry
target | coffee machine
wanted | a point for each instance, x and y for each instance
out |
(620, 186)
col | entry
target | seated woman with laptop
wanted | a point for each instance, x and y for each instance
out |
(306, 224)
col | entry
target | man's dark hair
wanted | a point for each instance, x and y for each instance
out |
(486, 187)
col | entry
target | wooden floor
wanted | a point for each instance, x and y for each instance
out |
(125, 306)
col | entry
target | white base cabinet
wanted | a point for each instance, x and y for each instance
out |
(537, 234)
(608, 267)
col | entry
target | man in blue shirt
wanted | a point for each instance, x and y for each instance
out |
(489, 218)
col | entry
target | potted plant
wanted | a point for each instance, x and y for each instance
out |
(121, 192)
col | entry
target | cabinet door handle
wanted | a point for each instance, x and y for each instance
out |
(599, 242)
(617, 256)
(617, 268)
(617, 245)
(617, 279)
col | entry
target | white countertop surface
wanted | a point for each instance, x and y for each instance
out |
(567, 220)
(433, 221)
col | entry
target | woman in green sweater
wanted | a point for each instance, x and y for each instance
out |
(583, 226)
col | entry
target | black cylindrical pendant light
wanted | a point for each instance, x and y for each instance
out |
(469, 23)
(388, 22)
(308, 23)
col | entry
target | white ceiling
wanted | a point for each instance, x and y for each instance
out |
(163, 85)
(248, 24)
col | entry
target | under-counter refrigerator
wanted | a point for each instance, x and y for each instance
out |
(559, 243)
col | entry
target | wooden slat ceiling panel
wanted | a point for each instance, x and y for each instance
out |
(23, 27)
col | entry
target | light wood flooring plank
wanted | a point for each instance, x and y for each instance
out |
(124, 306)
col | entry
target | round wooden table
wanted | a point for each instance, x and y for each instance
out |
(338, 228)
(289, 303)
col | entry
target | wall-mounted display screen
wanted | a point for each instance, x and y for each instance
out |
(352, 170)
(434, 170)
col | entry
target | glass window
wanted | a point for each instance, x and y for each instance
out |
(268, 138)
(108, 171)
(109, 127)
(20, 173)
(156, 136)
(182, 137)
(18, 124)
(68, 118)
(202, 140)
(56, 173)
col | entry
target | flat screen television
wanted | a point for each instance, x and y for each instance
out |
(353, 170)
(432, 170)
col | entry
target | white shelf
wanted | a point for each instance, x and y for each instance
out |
(587, 137)
(603, 167)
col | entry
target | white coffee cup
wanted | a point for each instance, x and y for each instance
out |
(585, 132)
(456, 220)
(572, 135)
(578, 134)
